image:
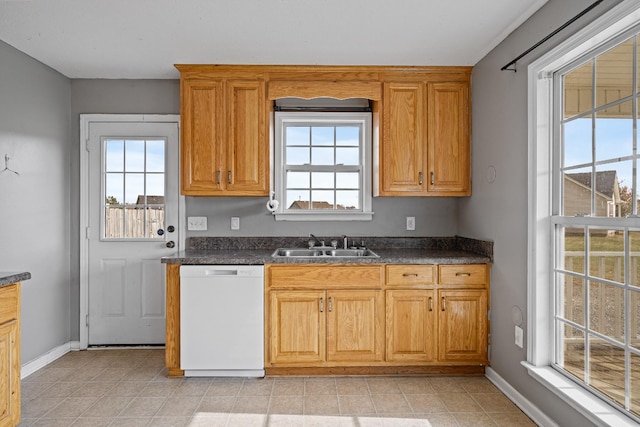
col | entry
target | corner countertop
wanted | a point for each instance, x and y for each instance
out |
(9, 278)
(258, 251)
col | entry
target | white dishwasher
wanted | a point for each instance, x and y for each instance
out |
(222, 320)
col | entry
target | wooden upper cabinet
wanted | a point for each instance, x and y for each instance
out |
(224, 143)
(424, 149)
(448, 139)
(402, 149)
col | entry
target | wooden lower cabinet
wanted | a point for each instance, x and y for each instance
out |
(326, 327)
(9, 355)
(462, 325)
(411, 326)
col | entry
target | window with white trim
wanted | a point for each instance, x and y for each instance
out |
(323, 165)
(584, 281)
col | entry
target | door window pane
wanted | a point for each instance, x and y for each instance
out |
(134, 188)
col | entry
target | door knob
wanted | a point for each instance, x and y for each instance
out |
(170, 244)
(171, 229)
(160, 231)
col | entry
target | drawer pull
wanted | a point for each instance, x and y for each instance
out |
(330, 304)
(410, 275)
(430, 304)
(443, 304)
(217, 177)
(228, 177)
(419, 178)
(463, 274)
(321, 305)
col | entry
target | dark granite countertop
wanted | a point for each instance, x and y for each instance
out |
(257, 251)
(9, 278)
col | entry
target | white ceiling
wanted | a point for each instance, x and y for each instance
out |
(144, 38)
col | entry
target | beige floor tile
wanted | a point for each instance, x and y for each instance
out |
(446, 385)
(93, 389)
(352, 385)
(216, 404)
(328, 421)
(391, 404)
(113, 375)
(178, 406)
(511, 419)
(86, 373)
(477, 385)
(71, 407)
(54, 422)
(415, 385)
(383, 385)
(256, 387)
(425, 403)
(49, 375)
(127, 388)
(209, 420)
(170, 421)
(143, 407)
(159, 389)
(320, 385)
(61, 389)
(224, 387)
(92, 422)
(288, 387)
(130, 422)
(246, 420)
(193, 387)
(31, 390)
(286, 405)
(439, 420)
(285, 420)
(459, 402)
(472, 419)
(494, 402)
(109, 406)
(251, 404)
(38, 407)
(355, 404)
(323, 404)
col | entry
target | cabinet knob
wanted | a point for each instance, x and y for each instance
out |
(170, 244)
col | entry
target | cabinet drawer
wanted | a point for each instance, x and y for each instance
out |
(464, 274)
(324, 276)
(410, 274)
(8, 303)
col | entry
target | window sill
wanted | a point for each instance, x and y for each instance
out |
(578, 398)
(313, 216)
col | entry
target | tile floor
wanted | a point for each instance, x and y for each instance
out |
(129, 388)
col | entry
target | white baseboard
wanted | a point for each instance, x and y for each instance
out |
(42, 361)
(532, 411)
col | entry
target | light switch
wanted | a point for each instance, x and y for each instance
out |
(197, 223)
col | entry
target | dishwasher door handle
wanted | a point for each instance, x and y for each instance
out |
(215, 272)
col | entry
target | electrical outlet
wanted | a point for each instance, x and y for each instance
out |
(519, 336)
(197, 223)
(235, 223)
(411, 223)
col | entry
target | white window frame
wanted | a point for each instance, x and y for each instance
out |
(363, 119)
(540, 229)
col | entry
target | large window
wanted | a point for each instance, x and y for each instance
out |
(596, 269)
(322, 166)
(584, 229)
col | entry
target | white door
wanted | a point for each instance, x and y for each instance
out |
(132, 221)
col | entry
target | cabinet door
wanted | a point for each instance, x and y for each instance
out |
(9, 374)
(355, 326)
(448, 135)
(402, 162)
(462, 326)
(202, 153)
(247, 151)
(297, 326)
(411, 333)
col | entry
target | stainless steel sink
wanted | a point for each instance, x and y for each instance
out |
(324, 252)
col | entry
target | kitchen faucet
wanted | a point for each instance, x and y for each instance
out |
(313, 239)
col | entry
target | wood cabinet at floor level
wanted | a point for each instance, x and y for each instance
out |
(440, 322)
(425, 147)
(224, 144)
(9, 355)
(325, 327)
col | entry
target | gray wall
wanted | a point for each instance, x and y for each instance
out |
(97, 96)
(34, 206)
(498, 210)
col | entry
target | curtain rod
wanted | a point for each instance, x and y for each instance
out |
(565, 25)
